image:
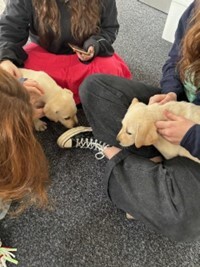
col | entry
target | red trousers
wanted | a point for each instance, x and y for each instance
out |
(68, 71)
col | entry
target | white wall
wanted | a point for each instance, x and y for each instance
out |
(176, 10)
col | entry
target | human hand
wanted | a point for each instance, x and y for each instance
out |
(38, 112)
(8, 66)
(163, 98)
(35, 91)
(84, 57)
(33, 87)
(174, 128)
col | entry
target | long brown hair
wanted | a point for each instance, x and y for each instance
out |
(85, 19)
(23, 165)
(189, 64)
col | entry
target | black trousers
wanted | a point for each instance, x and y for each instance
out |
(165, 196)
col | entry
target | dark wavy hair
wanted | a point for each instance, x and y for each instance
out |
(189, 64)
(23, 166)
(85, 19)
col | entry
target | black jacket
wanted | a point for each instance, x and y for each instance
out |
(17, 24)
(170, 81)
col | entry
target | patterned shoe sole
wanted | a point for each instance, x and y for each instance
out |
(63, 138)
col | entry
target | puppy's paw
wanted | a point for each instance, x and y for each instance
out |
(40, 126)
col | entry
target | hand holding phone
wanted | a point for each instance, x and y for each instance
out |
(75, 48)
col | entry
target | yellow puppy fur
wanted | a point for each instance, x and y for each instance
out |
(59, 104)
(138, 126)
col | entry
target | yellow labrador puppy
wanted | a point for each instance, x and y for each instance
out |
(59, 104)
(138, 126)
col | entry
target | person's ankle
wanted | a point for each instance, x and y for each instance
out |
(111, 151)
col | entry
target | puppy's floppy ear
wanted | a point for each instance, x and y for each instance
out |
(146, 135)
(134, 102)
(51, 111)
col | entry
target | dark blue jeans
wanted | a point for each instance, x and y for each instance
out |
(165, 196)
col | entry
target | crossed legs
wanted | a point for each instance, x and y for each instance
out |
(164, 196)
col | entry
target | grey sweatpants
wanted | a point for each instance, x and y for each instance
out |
(165, 196)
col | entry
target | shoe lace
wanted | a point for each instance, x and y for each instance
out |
(92, 144)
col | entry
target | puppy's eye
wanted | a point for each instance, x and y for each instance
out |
(67, 118)
(129, 133)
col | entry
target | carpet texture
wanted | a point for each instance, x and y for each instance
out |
(85, 229)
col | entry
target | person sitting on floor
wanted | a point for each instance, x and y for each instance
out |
(52, 26)
(24, 175)
(165, 195)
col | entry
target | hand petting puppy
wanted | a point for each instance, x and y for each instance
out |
(35, 92)
(174, 128)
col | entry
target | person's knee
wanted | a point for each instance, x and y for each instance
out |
(87, 86)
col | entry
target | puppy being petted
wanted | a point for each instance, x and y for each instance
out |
(138, 126)
(59, 104)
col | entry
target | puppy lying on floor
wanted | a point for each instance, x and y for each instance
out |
(59, 104)
(138, 126)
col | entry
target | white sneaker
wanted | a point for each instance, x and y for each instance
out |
(82, 137)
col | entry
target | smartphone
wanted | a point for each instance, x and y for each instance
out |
(75, 48)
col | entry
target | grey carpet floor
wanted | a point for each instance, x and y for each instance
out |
(85, 229)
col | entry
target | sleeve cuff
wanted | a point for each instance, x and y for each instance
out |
(191, 141)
